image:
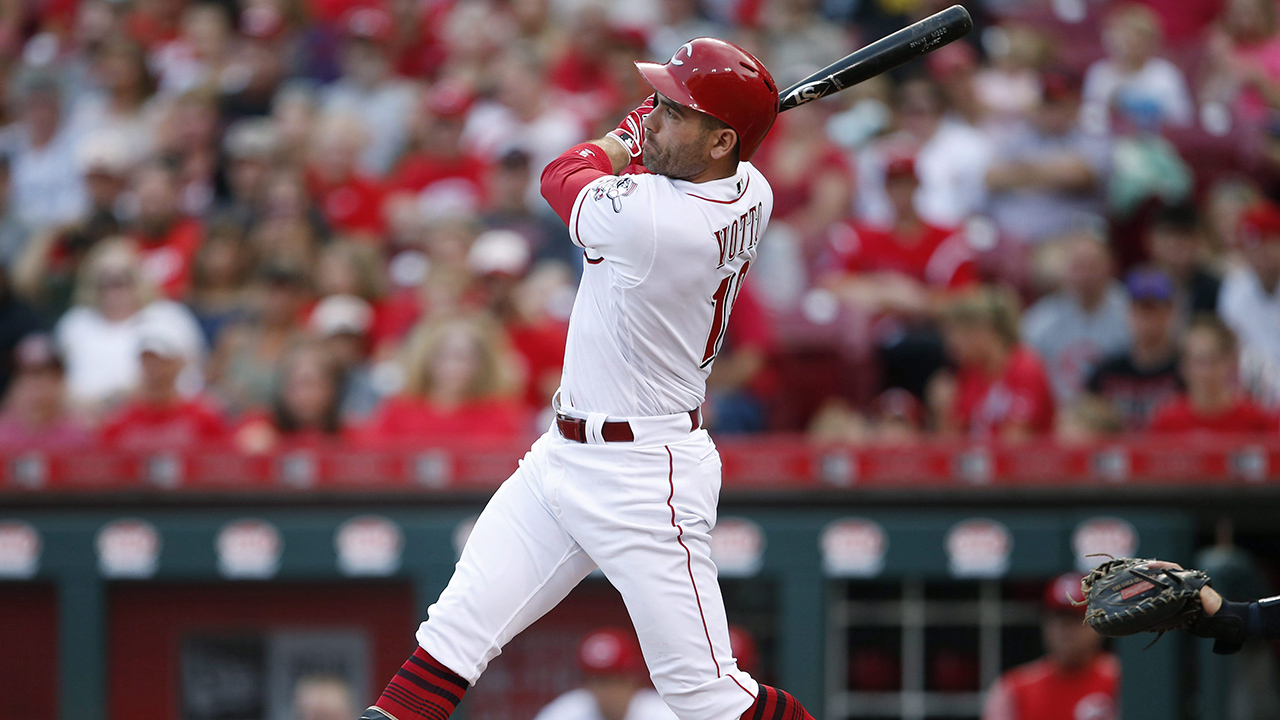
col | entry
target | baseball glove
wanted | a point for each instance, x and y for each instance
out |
(1128, 596)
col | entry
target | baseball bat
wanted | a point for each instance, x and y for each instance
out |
(881, 56)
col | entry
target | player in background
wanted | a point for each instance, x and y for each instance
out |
(1075, 680)
(626, 479)
(615, 686)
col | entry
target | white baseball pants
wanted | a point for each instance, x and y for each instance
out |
(643, 513)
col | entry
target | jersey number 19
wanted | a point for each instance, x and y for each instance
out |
(722, 301)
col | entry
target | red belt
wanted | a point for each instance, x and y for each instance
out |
(575, 429)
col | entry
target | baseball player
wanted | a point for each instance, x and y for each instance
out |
(614, 683)
(626, 479)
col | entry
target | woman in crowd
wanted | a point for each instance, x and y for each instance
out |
(305, 409)
(1213, 402)
(459, 385)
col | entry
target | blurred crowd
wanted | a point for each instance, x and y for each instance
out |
(280, 222)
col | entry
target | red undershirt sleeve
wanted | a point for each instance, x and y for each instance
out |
(565, 177)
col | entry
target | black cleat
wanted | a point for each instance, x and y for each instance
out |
(376, 713)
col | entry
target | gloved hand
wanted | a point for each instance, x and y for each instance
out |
(630, 132)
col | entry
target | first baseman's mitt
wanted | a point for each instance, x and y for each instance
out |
(1128, 596)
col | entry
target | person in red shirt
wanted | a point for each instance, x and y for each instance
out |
(437, 153)
(1075, 680)
(1000, 389)
(458, 381)
(810, 175)
(167, 238)
(306, 409)
(158, 417)
(1212, 402)
(348, 200)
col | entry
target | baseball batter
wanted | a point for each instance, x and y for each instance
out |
(626, 479)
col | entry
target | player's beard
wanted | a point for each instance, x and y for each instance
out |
(681, 162)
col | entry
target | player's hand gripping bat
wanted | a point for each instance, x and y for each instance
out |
(880, 56)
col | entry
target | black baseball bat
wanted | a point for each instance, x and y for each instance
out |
(881, 56)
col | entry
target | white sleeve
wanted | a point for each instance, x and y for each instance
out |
(614, 219)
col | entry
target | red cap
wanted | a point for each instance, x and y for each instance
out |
(1059, 593)
(369, 23)
(1260, 223)
(449, 99)
(611, 651)
(723, 81)
(900, 166)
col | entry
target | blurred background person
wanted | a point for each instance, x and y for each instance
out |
(156, 416)
(1144, 375)
(1077, 678)
(615, 683)
(459, 381)
(999, 388)
(1084, 321)
(17, 320)
(306, 409)
(34, 411)
(342, 324)
(1213, 401)
(1132, 70)
(99, 337)
(45, 183)
(1249, 300)
(323, 697)
(1177, 246)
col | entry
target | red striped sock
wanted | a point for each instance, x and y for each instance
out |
(775, 704)
(422, 689)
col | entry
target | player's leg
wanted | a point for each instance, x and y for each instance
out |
(652, 540)
(517, 564)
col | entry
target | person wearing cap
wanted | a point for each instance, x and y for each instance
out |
(1085, 320)
(343, 322)
(951, 159)
(901, 275)
(1077, 679)
(435, 151)
(157, 417)
(505, 209)
(1249, 301)
(34, 411)
(1213, 402)
(1049, 171)
(1137, 380)
(615, 683)
(370, 90)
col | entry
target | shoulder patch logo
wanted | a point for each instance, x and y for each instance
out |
(615, 190)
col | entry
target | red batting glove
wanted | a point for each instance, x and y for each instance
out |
(630, 131)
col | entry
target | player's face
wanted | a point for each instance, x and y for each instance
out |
(676, 140)
(1069, 642)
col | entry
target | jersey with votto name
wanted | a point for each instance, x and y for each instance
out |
(665, 260)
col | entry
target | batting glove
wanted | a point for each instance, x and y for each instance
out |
(630, 131)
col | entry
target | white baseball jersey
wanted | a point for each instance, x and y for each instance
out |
(665, 260)
(581, 705)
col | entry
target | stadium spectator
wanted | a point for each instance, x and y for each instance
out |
(349, 200)
(1213, 402)
(951, 160)
(157, 416)
(901, 275)
(615, 683)
(1145, 375)
(166, 236)
(435, 152)
(14, 235)
(306, 410)
(1086, 320)
(370, 90)
(1000, 388)
(99, 337)
(46, 187)
(810, 176)
(1243, 61)
(1075, 679)
(221, 274)
(342, 323)
(251, 146)
(1177, 247)
(202, 56)
(1009, 88)
(742, 384)
(1048, 172)
(897, 417)
(1249, 301)
(1132, 72)
(34, 412)
(120, 101)
(246, 358)
(458, 380)
(506, 209)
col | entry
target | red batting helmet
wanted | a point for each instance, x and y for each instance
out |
(723, 81)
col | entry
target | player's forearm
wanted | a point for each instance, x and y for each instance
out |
(619, 158)
(564, 178)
